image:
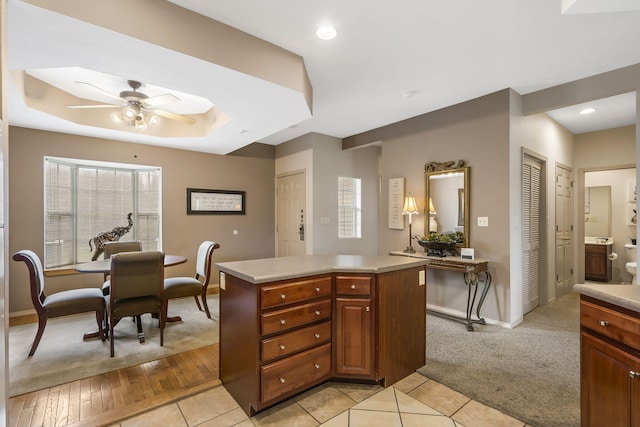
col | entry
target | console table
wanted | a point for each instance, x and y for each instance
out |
(474, 271)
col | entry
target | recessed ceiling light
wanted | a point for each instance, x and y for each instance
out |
(326, 32)
(587, 110)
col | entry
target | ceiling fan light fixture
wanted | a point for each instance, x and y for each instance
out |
(139, 122)
(131, 111)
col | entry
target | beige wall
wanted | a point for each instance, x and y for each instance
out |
(477, 132)
(182, 233)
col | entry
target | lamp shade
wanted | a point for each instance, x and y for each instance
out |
(410, 207)
(432, 209)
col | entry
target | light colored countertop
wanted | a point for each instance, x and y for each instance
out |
(627, 296)
(265, 270)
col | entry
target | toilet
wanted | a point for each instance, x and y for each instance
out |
(631, 266)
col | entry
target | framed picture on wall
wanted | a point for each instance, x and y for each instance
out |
(396, 199)
(207, 202)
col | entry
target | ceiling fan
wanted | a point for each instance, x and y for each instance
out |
(137, 108)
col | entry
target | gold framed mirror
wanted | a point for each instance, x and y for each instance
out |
(447, 201)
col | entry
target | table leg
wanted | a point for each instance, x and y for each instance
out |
(471, 279)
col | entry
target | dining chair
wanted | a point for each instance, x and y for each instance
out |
(111, 248)
(137, 288)
(64, 303)
(179, 287)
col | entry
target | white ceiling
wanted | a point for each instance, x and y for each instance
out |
(441, 51)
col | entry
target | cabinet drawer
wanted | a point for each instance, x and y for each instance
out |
(353, 285)
(291, 342)
(289, 318)
(613, 324)
(295, 292)
(295, 372)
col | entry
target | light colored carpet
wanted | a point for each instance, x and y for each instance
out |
(531, 372)
(63, 356)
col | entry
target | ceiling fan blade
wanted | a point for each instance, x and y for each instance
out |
(167, 98)
(103, 92)
(174, 116)
(94, 106)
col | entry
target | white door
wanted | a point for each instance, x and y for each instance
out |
(531, 196)
(564, 230)
(291, 215)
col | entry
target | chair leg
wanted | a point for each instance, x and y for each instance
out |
(100, 320)
(204, 302)
(111, 337)
(163, 318)
(197, 302)
(42, 323)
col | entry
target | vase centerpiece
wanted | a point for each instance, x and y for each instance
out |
(437, 244)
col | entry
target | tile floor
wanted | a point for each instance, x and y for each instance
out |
(412, 402)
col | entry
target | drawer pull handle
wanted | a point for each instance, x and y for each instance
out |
(368, 309)
(317, 336)
(282, 347)
(604, 323)
(353, 286)
(282, 380)
(316, 365)
(317, 312)
(282, 322)
(283, 296)
(317, 290)
(633, 374)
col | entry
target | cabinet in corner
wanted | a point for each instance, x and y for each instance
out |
(354, 340)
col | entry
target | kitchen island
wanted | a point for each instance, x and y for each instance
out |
(288, 324)
(609, 354)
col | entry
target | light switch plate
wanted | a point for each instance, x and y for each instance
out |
(222, 283)
(483, 221)
(421, 278)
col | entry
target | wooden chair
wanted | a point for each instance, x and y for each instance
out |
(111, 248)
(58, 304)
(137, 287)
(179, 287)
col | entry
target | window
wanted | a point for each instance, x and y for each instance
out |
(349, 208)
(85, 198)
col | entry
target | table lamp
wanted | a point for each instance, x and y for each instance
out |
(433, 225)
(410, 208)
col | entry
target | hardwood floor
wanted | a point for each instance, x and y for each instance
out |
(107, 398)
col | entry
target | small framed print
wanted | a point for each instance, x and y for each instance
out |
(212, 202)
(396, 199)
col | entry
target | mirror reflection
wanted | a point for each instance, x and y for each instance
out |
(597, 211)
(447, 207)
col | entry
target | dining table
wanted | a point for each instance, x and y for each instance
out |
(103, 266)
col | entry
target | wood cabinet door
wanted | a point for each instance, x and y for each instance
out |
(595, 262)
(354, 337)
(610, 388)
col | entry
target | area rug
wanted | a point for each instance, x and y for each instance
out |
(531, 372)
(63, 356)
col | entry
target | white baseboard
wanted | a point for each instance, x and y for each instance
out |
(460, 314)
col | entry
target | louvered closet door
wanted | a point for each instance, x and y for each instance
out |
(531, 174)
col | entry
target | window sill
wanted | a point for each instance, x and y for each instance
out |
(61, 271)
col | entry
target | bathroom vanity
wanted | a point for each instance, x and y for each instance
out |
(291, 323)
(597, 265)
(609, 355)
